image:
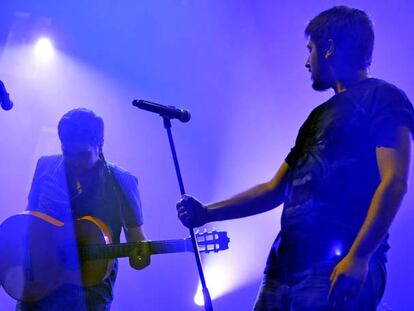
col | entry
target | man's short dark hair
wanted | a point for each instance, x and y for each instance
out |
(351, 31)
(81, 125)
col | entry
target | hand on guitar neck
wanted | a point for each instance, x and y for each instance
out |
(139, 257)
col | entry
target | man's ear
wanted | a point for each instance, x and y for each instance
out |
(330, 50)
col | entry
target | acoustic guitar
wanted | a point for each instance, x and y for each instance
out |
(40, 253)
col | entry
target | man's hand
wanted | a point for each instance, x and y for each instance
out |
(191, 212)
(140, 256)
(347, 279)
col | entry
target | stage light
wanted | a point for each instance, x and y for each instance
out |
(338, 252)
(337, 249)
(198, 299)
(44, 50)
(220, 279)
(219, 283)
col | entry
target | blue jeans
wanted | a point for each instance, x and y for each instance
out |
(57, 307)
(307, 290)
(69, 298)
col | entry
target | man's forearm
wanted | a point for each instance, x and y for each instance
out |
(258, 199)
(384, 206)
(135, 234)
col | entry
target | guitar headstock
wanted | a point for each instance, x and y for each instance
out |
(212, 241)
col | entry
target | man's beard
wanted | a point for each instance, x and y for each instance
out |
(321, 80)
(319, 85)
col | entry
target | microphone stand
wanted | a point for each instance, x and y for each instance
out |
(207, 299)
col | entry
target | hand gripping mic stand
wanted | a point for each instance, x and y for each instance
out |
(207, 299)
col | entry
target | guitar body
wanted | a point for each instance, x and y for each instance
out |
(39, 254)
(92, 231)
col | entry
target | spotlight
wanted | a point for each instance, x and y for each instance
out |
(199, 299)
(44, 49)
(338, 252)
(337, 249)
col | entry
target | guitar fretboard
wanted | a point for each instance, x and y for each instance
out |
(93, 252)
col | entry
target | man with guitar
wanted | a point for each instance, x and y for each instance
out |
(341, 184)
(80, 183)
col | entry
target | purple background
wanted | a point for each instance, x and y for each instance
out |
(238, 66)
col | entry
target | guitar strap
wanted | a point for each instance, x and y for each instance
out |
(116, 188)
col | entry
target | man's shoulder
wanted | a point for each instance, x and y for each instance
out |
(385, 88)
(50, 160)
(126, 180)
(120, 171)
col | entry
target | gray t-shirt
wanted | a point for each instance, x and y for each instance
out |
(118, 205)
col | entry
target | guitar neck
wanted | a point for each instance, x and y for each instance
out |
(93, 252)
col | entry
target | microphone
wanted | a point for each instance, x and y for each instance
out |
(170, 112)
(5, 101)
